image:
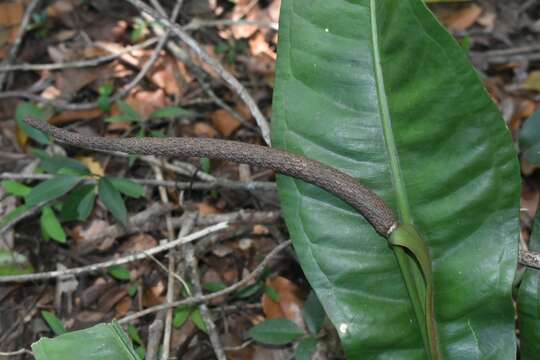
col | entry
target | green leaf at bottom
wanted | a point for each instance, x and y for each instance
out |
(100, 342)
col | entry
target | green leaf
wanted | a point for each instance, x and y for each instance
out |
(25, 109)
(13, 263)
(15, 188)
(54, 323)
(134, 334)
(127, 187)
(119, 272)
(54, 164)
(276, 332)
(214, 286)
(129, 113)
(313, 313)
(271, 293)
(51, 189)
(529, 139)
(529, 302)
(379, 90)
(51, 226)
(12, 215)
(100, 342)
(305, 349)
(206, 164)
(197, 319)
(112, 200)
(170, 112)
(181, 314)
(79, 203)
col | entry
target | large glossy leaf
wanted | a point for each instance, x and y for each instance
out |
(381, 91)
(529, 303)
(100, 342)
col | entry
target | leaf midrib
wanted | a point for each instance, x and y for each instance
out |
(386, 122)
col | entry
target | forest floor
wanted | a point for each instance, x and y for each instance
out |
(102, 67)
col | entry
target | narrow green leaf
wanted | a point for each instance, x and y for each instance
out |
(271, 293)
(12, 215)
(79, 203)
(119, 272)
(132, 289)
(127, 187)
(112, 200)
(276, 332)
(197, 319)
(206, 164)
(25, 109)
(313, 313)
(214, 286)
(305, 349)
(134, 334)
(51, 189)
(100, 342)
(54, 164)
(51, 225)
(249, 291)
(15, 188)
(129, 112)
(181, 314)
(170, 112)
(54, 323)
(14, 263)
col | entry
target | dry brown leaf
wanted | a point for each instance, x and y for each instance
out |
(289, 306)
(165, 76)
(122, 308)
(224, 122)
(11, 13)
(138, 243)
(146, 102)
(152, 295)
(202, 129)
(93, 165)
(73, 115)
(60, 7)
(463, 18)
(205, 208)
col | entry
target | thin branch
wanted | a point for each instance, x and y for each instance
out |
(196, 24)
(205, 298)
(181, 185)
(191, 260)
(81, 63)
(119, 261)
(16, 352)
(233, 83)
(18, 40)
(344, 186)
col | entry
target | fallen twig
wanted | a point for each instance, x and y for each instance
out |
(119, 261)
(205, 298)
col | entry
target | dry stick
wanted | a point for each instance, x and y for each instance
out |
(18, 40)
(81, 63)
(181, 185)
(233, 83)
(344, 186)
(119, 261)
(189, 253)
(205, 298)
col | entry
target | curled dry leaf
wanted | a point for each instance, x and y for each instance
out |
(224, 122)
(463, 18)
(290, 304)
